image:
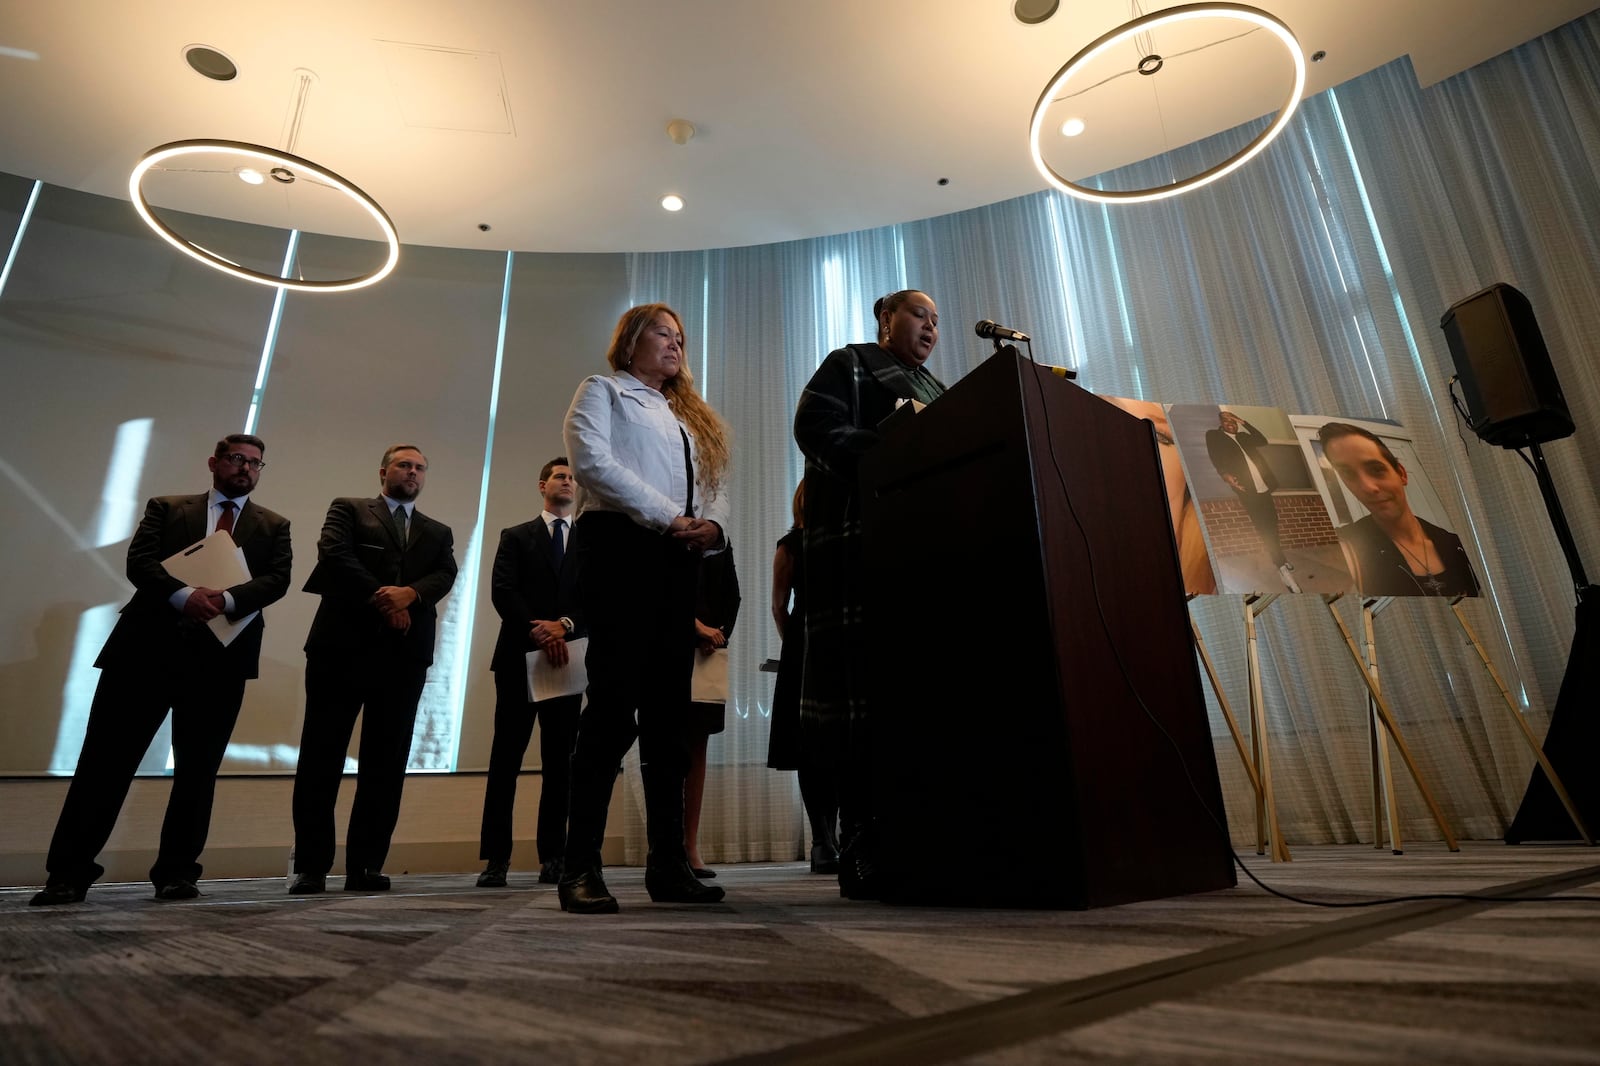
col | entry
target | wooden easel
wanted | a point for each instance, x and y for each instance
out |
(1256, 762)
(1385, 806)
(1266, 803)
(1380, 706)
(1522, 724)
(1232, 722)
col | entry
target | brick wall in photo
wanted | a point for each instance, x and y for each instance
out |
(1302, 523)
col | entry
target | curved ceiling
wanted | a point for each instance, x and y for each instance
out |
(545, 120)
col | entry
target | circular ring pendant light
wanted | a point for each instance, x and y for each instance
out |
(1144, 24)
(276, 162)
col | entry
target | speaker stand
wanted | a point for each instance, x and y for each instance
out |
(1574, 737)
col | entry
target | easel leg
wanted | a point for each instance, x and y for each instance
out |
(1384, 801)
(1522, 724)
(1381, 705)
(1266, 804)
(1227, 710)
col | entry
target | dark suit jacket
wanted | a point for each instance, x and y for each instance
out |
(525, 586)
(358, 553)
(1229, 460)
(150, 631)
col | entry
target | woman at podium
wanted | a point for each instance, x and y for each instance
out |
(854, 389)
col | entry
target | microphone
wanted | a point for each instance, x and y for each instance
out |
(990, 331)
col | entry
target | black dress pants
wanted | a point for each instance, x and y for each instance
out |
(513, 727)
(1263, 512)
(338, 688)
(130, 703)
(638, 590)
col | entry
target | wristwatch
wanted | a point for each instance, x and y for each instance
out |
(566, 623)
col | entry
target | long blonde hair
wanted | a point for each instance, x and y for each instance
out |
(711, 433)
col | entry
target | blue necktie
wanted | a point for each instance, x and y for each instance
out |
(558, 545)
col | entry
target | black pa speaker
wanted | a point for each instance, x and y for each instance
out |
(1513, 397)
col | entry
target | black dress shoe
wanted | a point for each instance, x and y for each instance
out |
(550, 873)
(675, 883)
(308, 884)
(180, 889)
(365, 881)
(824, 859)
(702, 873)
(494, 875)
(586, 894)
(51, 895)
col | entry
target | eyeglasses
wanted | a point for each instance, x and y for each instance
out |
(238, 459)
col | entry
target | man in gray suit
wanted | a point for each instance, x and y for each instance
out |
(162, 656)
(382, 567)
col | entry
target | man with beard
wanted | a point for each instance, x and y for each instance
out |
(382, 566)
(162, 656)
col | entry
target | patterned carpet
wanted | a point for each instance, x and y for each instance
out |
(438, 971)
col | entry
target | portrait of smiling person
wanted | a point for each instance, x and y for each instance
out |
(1390, 520)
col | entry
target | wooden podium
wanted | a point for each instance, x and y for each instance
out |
(1019, 559)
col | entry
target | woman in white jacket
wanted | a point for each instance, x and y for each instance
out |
(649, 455)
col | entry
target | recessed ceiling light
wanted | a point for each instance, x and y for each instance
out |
(249, 175)
(208, 62)
(1033, 12)
(672, 202)
(1072, 127)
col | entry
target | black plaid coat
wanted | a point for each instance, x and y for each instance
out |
(853, 390)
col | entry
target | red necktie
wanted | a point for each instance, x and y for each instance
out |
(225, 520)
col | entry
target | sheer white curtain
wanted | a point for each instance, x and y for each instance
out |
(1311, 280)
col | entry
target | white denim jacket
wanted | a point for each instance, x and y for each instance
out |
(627, 453)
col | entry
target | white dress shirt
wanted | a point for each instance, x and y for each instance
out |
(626, 450)
(1255, 471)
(400, 505)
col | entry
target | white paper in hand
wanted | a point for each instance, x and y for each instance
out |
(546, 682)
(214, 563)
(710, 684)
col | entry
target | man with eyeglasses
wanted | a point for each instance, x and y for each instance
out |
(382, 568)
(162, 656)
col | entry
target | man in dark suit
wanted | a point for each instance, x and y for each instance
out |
(535, 589)
(162, 655)
(1235, 450)
(382, 566)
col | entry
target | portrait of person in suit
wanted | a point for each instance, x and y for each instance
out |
(163, 656)
(535, 591)
(382, 568)
(1236, 450)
